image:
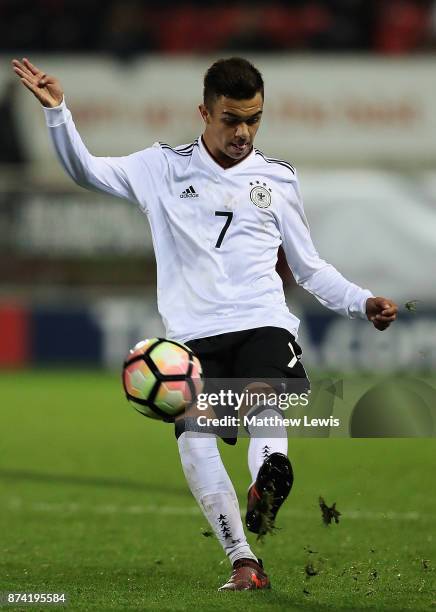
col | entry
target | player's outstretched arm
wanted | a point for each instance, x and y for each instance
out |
(111, 175)
(322, 279)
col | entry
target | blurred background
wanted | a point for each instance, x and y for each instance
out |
(350, 101)
(92, 495)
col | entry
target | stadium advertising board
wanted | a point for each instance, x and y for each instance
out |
(365, 112)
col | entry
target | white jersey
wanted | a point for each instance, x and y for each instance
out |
(215, 232)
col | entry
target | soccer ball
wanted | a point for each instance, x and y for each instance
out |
(161, 378)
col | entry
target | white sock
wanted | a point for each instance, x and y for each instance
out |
(214, 492)
(264, 441)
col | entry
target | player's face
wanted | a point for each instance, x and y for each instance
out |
(231, 126)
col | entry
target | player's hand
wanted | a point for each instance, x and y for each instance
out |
(46, 88)
(381, 311)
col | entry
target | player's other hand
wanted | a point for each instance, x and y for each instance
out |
(381, 311)
(46, 88)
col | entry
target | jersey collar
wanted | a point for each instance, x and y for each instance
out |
(209, 160)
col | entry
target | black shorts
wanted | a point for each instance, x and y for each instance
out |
(263, 352)
(269, 354)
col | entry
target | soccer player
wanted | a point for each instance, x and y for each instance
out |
(219, 209)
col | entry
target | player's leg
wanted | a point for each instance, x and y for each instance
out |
(270, 468)
(214, 492)
(269, 353)
(212, 488)
(265, 440)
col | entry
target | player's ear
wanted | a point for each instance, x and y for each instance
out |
(204, 113)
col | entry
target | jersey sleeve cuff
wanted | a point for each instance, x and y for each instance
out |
(357, 309)
(57, 115)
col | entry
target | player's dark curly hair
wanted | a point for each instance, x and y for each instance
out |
(234, 78)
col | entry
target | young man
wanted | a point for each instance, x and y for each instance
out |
(219, 209)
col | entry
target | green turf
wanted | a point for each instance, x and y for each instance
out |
(93, 502)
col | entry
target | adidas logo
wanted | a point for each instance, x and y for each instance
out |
(189, 193)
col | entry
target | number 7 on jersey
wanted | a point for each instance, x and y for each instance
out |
(229, 215)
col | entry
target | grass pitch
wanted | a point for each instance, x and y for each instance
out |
(93, 503)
